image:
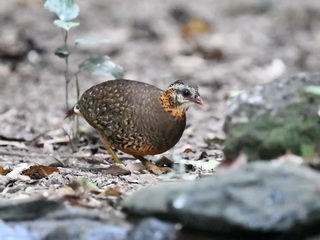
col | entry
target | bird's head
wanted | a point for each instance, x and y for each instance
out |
(180, 96)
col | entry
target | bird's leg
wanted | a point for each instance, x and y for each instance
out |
(107, 146)
(152, 167)
(114, 155)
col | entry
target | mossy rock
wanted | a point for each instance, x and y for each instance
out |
(294, 126)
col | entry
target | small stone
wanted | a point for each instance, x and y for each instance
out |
(52, 161)
(117, 169)
(164, 162)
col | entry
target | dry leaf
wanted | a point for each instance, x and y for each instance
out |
(188, 150)
(112, 191)
(77, 192)
(37, 172)
(4, 171)
(195, 26)
(157, 170)
(66, 190)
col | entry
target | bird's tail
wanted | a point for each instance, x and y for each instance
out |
(73, 111)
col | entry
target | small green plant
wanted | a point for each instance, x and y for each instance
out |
(67, 10)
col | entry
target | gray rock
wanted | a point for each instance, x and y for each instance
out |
(27, 208)
(152, 228)
(153, 199)
(69, 222)
(77, 229)
(65, 233)
(259, 198)
(107, 232)
(16, 233)
(51, 161)
(314, 238)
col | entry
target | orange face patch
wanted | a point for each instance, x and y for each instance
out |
(167, 100)
(177, 113)
(169, 105)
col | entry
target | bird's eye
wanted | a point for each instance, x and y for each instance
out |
(186, 93)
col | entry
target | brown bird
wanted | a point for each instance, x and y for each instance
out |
(135, 117)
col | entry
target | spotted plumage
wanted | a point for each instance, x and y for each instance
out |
(135, 117)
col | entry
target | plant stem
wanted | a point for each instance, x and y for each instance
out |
(67, 83)
(66, 71)
(77, 85)
(78, 98)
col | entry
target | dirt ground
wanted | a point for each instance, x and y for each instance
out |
(243, 43)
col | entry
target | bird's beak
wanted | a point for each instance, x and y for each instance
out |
(197, 100)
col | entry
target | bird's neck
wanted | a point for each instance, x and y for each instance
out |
(169, 104)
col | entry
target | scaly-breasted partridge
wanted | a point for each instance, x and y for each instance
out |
(135, 117)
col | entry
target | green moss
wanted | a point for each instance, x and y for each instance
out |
(294, 129)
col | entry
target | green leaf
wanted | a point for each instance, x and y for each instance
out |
(90, 41)
(89, 186)
(312, 89)
(102, 66)
(62, 53)
(64, 9)
(65, 25)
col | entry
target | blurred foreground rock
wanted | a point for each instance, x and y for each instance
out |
(152, 228)
(258, 200)
(78, 228)
(17, 232)
(27, 208)
(44, 219)
(267, 120)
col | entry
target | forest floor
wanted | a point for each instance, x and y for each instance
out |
(234, 46)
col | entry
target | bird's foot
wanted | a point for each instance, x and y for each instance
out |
(151, 167)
